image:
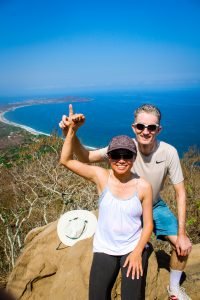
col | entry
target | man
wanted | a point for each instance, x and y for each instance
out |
(155, 160)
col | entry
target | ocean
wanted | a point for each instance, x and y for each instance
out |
(111, 113)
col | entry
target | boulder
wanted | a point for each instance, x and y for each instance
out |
(47, 269)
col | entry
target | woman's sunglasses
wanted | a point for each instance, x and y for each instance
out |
(121, 155)
(151, 127)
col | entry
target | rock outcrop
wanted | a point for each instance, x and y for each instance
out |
(49, 270)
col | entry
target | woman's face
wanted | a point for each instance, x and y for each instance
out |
(121, 161)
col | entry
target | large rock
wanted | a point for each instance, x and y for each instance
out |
(49, 270)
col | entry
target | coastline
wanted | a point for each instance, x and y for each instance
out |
(27, 128)
(10, 107)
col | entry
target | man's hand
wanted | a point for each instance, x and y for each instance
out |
(134, 264)
(183, 245)
(74, 120)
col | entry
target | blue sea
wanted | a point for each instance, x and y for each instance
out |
(111, 113)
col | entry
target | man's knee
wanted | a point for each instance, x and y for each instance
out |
(172, 240)
(178, 262)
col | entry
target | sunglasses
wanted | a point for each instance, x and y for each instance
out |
(119, 155)
(151, 127)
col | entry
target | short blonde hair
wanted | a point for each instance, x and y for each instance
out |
(150, 109)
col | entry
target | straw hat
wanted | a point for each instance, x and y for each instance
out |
(76, 225)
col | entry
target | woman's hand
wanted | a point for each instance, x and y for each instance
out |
(134, 264)
(73, 120)
(77, 121)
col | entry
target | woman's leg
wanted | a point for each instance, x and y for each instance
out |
(134, 289)
(103, 274)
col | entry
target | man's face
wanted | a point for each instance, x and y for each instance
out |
(146, 136)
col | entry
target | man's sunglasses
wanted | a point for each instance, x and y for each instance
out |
(120, 155)
(151, 127)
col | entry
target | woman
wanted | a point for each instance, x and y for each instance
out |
(120, 241)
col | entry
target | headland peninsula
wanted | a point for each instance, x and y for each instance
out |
(12, 134)
(29, 102)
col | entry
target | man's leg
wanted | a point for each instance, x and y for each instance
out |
(177, 262)
(177, 265)
(166, 228)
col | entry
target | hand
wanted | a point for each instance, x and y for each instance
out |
(67, 121)
(183, 245)
(134, 263)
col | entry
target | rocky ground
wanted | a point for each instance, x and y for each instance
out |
(47, 268)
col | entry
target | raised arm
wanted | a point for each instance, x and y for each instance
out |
(91, 173)
(81, 152)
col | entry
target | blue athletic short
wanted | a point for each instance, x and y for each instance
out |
(165, 222)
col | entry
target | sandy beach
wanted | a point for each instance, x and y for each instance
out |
(9, 107)
(29, 129)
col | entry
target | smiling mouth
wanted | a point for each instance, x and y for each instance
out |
(121, 166)
(145, 137)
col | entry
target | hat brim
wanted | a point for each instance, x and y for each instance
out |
(121, 148)
(64, 220)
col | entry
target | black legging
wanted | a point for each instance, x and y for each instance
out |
(103, 274)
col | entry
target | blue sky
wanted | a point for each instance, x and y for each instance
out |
(62, 46)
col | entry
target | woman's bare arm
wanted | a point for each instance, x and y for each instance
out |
(92, 173)
(81, 152)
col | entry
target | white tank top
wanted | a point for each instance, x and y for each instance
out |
(119, 224)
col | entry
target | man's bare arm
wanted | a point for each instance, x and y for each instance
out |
(183, 244)
(85, 155)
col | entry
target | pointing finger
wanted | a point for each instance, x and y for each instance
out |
(71, 110)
